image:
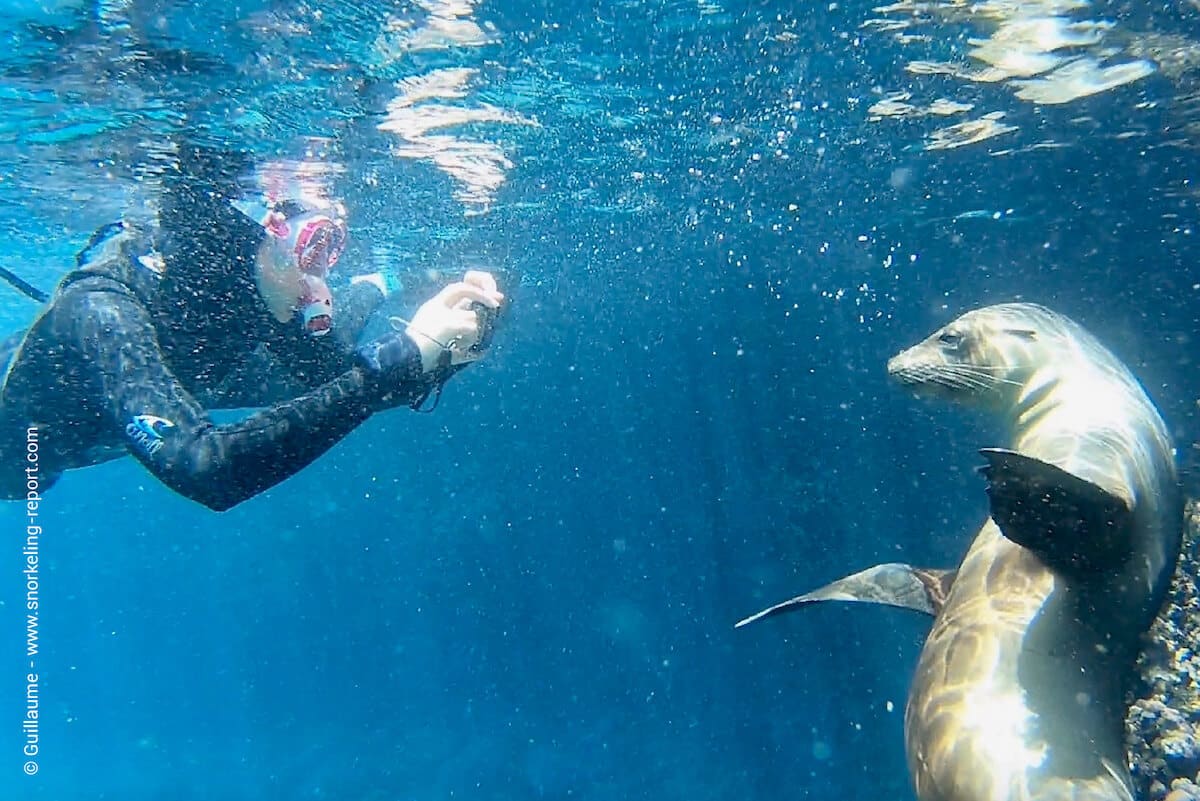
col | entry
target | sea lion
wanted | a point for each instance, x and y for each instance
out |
(1019, 688)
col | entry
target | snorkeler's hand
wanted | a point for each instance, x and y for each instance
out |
(450, 322)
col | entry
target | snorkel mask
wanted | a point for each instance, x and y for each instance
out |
(304, 247)
(312, 242)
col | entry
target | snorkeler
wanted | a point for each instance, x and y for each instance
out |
(224, 305)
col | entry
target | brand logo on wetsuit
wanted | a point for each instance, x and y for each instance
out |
(152, 262)
(147, 431)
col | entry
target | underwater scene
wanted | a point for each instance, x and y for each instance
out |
(887, 303)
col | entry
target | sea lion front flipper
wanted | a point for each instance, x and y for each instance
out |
(891, 584)
(1072, 525)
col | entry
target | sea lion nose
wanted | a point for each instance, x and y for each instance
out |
(908, 367)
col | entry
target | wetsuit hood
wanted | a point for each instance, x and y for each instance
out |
(208, 247)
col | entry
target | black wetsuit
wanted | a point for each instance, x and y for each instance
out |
(147, 334)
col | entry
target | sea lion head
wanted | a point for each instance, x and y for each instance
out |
(985, 356)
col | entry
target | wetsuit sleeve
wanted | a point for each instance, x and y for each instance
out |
(167, 430)
(353, 307)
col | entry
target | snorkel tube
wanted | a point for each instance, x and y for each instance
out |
(315, 306)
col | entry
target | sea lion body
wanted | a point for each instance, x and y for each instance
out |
(1019, 690)
(1018, 693)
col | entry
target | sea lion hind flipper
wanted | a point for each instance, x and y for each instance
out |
(1071, 524)
(891, 584)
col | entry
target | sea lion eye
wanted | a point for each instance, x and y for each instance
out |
(950, 339)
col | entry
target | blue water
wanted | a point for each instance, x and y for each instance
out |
(711, 251)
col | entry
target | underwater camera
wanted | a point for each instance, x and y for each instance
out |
(489, 318)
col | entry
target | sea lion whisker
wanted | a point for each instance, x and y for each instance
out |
(969, 376)
(948, 381)
(963, 377)
(983, 367)
(939, 377)
(987, 377)
(968, 368)
(960, 382)
(924, 376)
